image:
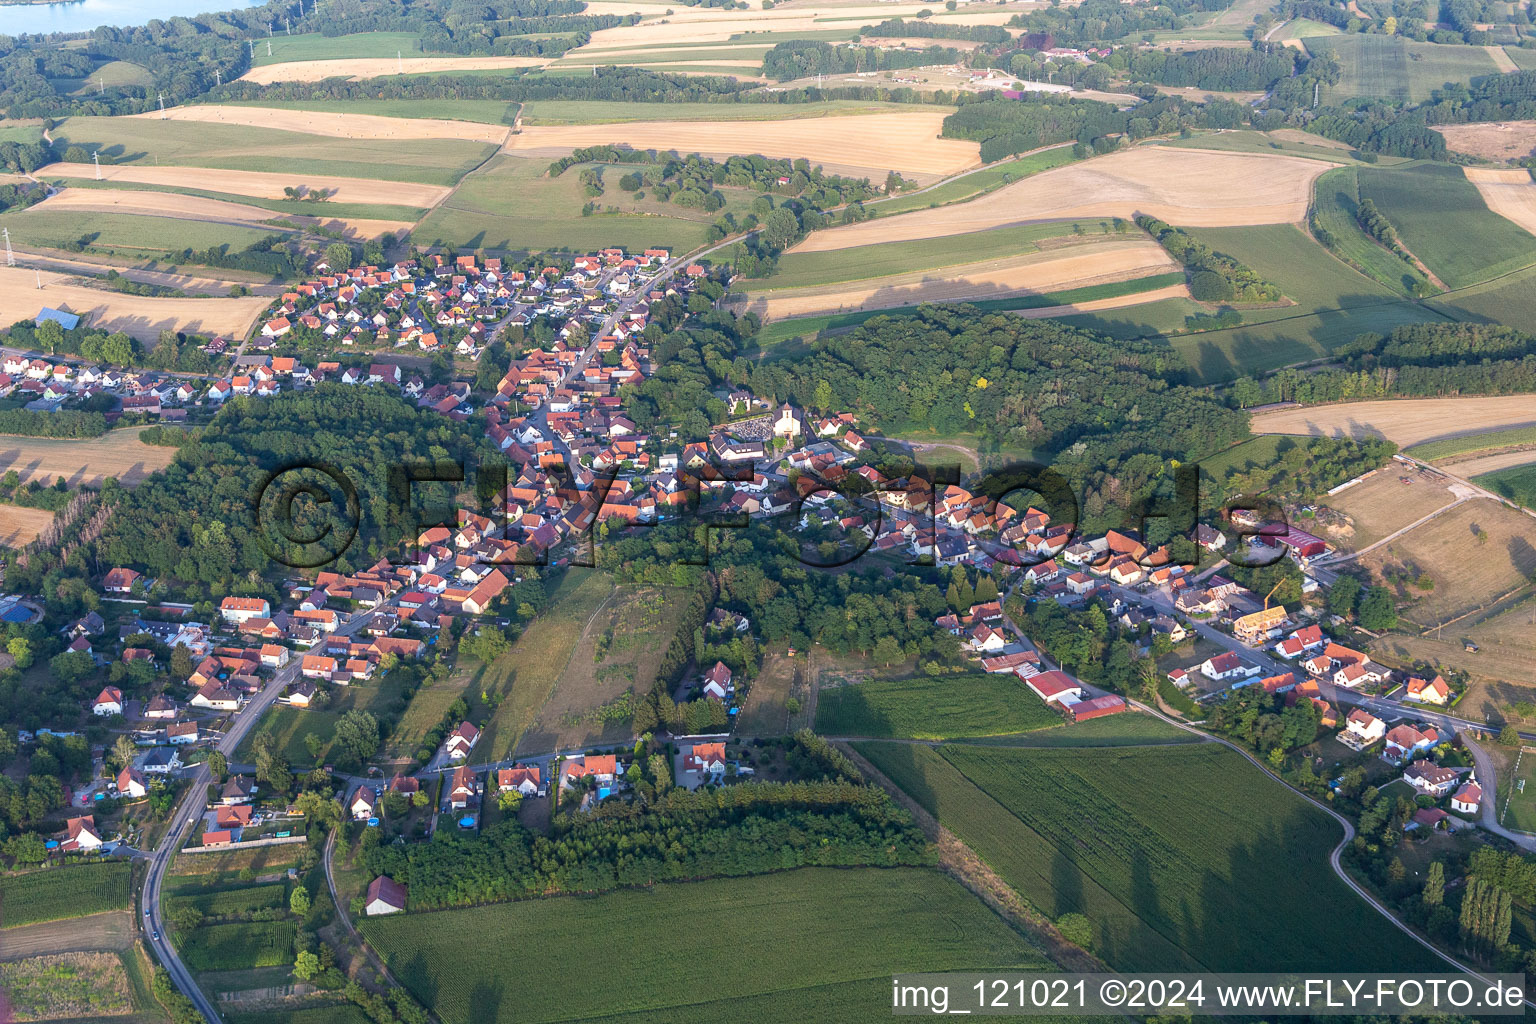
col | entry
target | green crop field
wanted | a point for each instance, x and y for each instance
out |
(781, 945)
(1469, 444)
(1510, 301)
(1172, 852)
(238, 147)
(511, 204)
(1518, 484)
(1165, 316)
(224, 901)
(975, 183)
(1305, 272)
(613, 112)
(126, 232)
(315, 46)
(1442, 219)
(340, 1013)
(479, 111)
(1392, 68)
(1336, 197)
(62, 892)
(775, 334)
(1128, 729)
(230, 947)
(976, 704)
(1220, 356)
(799, 270)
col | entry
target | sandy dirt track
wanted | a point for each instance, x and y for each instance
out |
(1186, 187)
(141, 316)
(265, 184)
(117, 453)
(866, 145)
(1492, 140)
(112, 930)
(1407, 422)
(1501, 60)
(1509, 193)
(1468, 468)
(339, 126)
(378, 67)
(1096, 263)
(18, 528)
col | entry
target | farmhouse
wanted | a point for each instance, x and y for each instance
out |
(1055, 687)
(384, 896)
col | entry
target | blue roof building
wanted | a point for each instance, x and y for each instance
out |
(68, 321)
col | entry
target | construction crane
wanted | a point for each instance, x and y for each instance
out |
(1271, 594)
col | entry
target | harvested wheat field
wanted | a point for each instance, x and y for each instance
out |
(1172, 291)
(159, 204)
(1501, 60)
(1407, 422)
(1492, 140)
(1186, 187)
(265, 184)
(715, 24)
(117, 453)
(339, 126)
(1480, 464)
(376, 67)
(142, 316)
(864, 146)
(20, 526)
(1093, 263)
(1509, 193)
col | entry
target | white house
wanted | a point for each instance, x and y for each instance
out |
(108, 702)
(717, 681)
(1365, 727)
(1430, 779)
(130, 783)
(461, 741)
(364, 804)
(1227, 665)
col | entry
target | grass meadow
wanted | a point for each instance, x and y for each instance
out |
(785, 955)
(1518, 484)
(1172, 852)
(938, 708)
(1336, 198)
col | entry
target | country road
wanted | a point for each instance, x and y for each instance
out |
(190, 810)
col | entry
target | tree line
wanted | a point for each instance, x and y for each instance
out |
(803, 58)
(1213, 277)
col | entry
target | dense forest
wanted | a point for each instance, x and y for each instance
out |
(802, 58)
(1107, 21)
(1006, 127)
(1213, 277)
(924, 28)
(1225, 68)
(1416, 360)
(746, 829)
(196, 522)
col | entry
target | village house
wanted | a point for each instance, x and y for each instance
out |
(108, 702)
(80, 835)
(1364, 727)
(1227, 666)
(364, 805)
(602, 768)
(131, 784)
(461, 741)
(523, 779)
(717, 681)
(1429, 691)
(1404, 742)
(706, 758)
(236, 610)
(463, 788)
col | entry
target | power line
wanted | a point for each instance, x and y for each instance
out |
(10, 257)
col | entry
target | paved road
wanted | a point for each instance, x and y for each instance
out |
(1488, 781)
(190, 810)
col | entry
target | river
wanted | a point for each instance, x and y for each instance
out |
(84, 15)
